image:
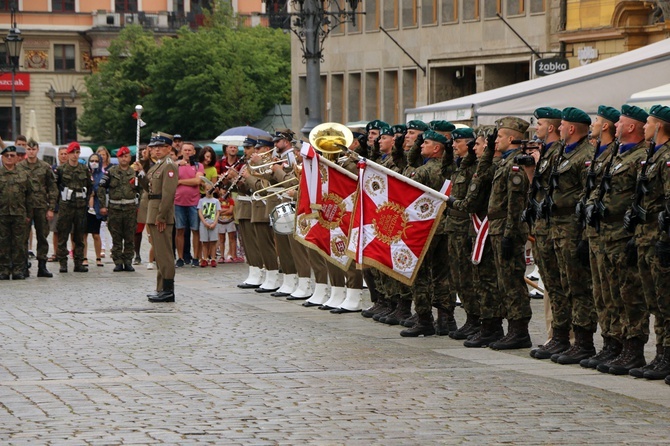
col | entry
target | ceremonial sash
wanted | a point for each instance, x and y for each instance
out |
(482, 230)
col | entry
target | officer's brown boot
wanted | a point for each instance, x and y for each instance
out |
(424, 326)
(42, 270)
(472, 325)
(638, 372)
(631, 358)
(402, 311)
(491, 331)
(517, 336)
(662, 368)
(582, 349)
(611, 349)
(559, 342)
(445, 322)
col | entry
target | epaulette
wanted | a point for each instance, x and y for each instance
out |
(168, 160)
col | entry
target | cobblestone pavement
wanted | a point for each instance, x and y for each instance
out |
(87, 360)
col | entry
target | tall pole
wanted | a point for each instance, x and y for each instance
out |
(313, 18)
(62, 121)
(14, 131)
(138, 111)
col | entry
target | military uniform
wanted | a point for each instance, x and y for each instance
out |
(15, 206)
(44, 198)
(75, 186)
(118, 192)
(161, 184)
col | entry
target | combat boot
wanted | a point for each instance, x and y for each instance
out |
(517, 336)
(582, 349)
(374, 309)
(390, 308)
(638, 372)
(632, 356)
(128, 267)
(118, 268)
(559, 342)
(611, 349)
(424, 326)
(402, 311)
(63, 267)
(491, 331)
(79, 268)
(42, 270)
(662, 368)
(410, 321)
(167, 295)
(472, 325)
(445, 322)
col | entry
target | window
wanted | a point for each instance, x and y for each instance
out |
(63, 57)
(125, 5)
(390, 97)
(6, 122)
(178, 5)
(470, 9)
(515, 7)
(336, 26)
(450, 11)
(66, 125)
(391, 14)
(491, 8)
(537, 6)
(337, 98)
(354, 97)
(371, 96)
(6, 5)
(408, 13)
(371, 15)
(62, 6)
(408, 89)
(428, 12)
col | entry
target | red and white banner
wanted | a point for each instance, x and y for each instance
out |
(325, 202)
(482, 230)
(394, 221)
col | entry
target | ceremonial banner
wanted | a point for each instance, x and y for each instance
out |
(398, 217)
(325, 202)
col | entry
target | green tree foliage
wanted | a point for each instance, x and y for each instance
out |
(197, 84)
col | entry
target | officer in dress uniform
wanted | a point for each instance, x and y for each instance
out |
(75, 186)
(119, 190)
(15, 208)
(161, 184)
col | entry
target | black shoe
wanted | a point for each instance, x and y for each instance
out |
(290, 297)
(326, 307)
(80, 269)
(128, 267)
(4, 276)
(343, 310)
(42, 270)
(153, 294)
(309, 304)
(266, 290)
(245, 286)
(278, 294)
(162, 297)
(18, 276)
(118, 268)
(63, 269)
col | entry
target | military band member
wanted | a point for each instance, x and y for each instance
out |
(161, 184)
(119, 191)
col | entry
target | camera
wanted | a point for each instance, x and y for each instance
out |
(193, 160)
(524, 160)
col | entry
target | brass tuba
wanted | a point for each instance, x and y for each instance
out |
(331, 138)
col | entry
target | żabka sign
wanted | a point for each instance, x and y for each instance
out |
(21, 82)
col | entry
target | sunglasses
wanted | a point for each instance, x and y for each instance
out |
(9, 155)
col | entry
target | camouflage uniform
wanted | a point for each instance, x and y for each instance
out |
(75, 185)
(119, 193)
(44, 198)
(15, 206)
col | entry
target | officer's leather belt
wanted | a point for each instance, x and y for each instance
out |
(128, 201)
(459, 214)
(155, 196)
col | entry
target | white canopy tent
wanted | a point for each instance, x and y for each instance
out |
(611, 81)
(646, 98)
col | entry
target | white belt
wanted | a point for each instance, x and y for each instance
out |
(80, 194)
(127, 201)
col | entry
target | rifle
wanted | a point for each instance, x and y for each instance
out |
(532, 211)
(605, 186)
(636, 214)
(547, 205)
(220, 181)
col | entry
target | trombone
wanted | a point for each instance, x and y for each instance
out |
(257, 195)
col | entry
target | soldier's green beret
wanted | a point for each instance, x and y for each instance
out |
(661, 112)
(572, 114)
(399, 128)
(376, 124)
(416, 124)
(442, 126)
(634, 112)
(609, 113)
(434, 136)
(547, 113)
(463, 133)
(512, 123)
(386, 131)
(8, 149)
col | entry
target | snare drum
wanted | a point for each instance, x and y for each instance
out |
(282, 218)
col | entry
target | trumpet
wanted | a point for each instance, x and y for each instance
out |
(349, 154)
(257, 195)
(266, 167)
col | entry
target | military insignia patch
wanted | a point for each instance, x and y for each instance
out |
(667, 164)
(170, 174)
(473, 186)
(515, 168)
(587, 163)
(516, 180)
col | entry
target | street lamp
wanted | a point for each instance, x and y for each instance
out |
(13, 42)
(314, 19)
(52, 95)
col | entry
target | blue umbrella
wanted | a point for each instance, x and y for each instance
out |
(236, 135)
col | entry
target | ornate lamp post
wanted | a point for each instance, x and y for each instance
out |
(311, 21)
(13, 41)
(60, 137)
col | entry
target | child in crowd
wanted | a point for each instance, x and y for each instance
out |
(209, 209)
(227, 226)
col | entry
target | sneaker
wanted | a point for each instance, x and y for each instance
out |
(151, 265)
(213, 263)
(180, 263)
(137, 261)
(195, 263)
(203, 263)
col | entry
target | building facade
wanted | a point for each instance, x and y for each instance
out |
(63, 42)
